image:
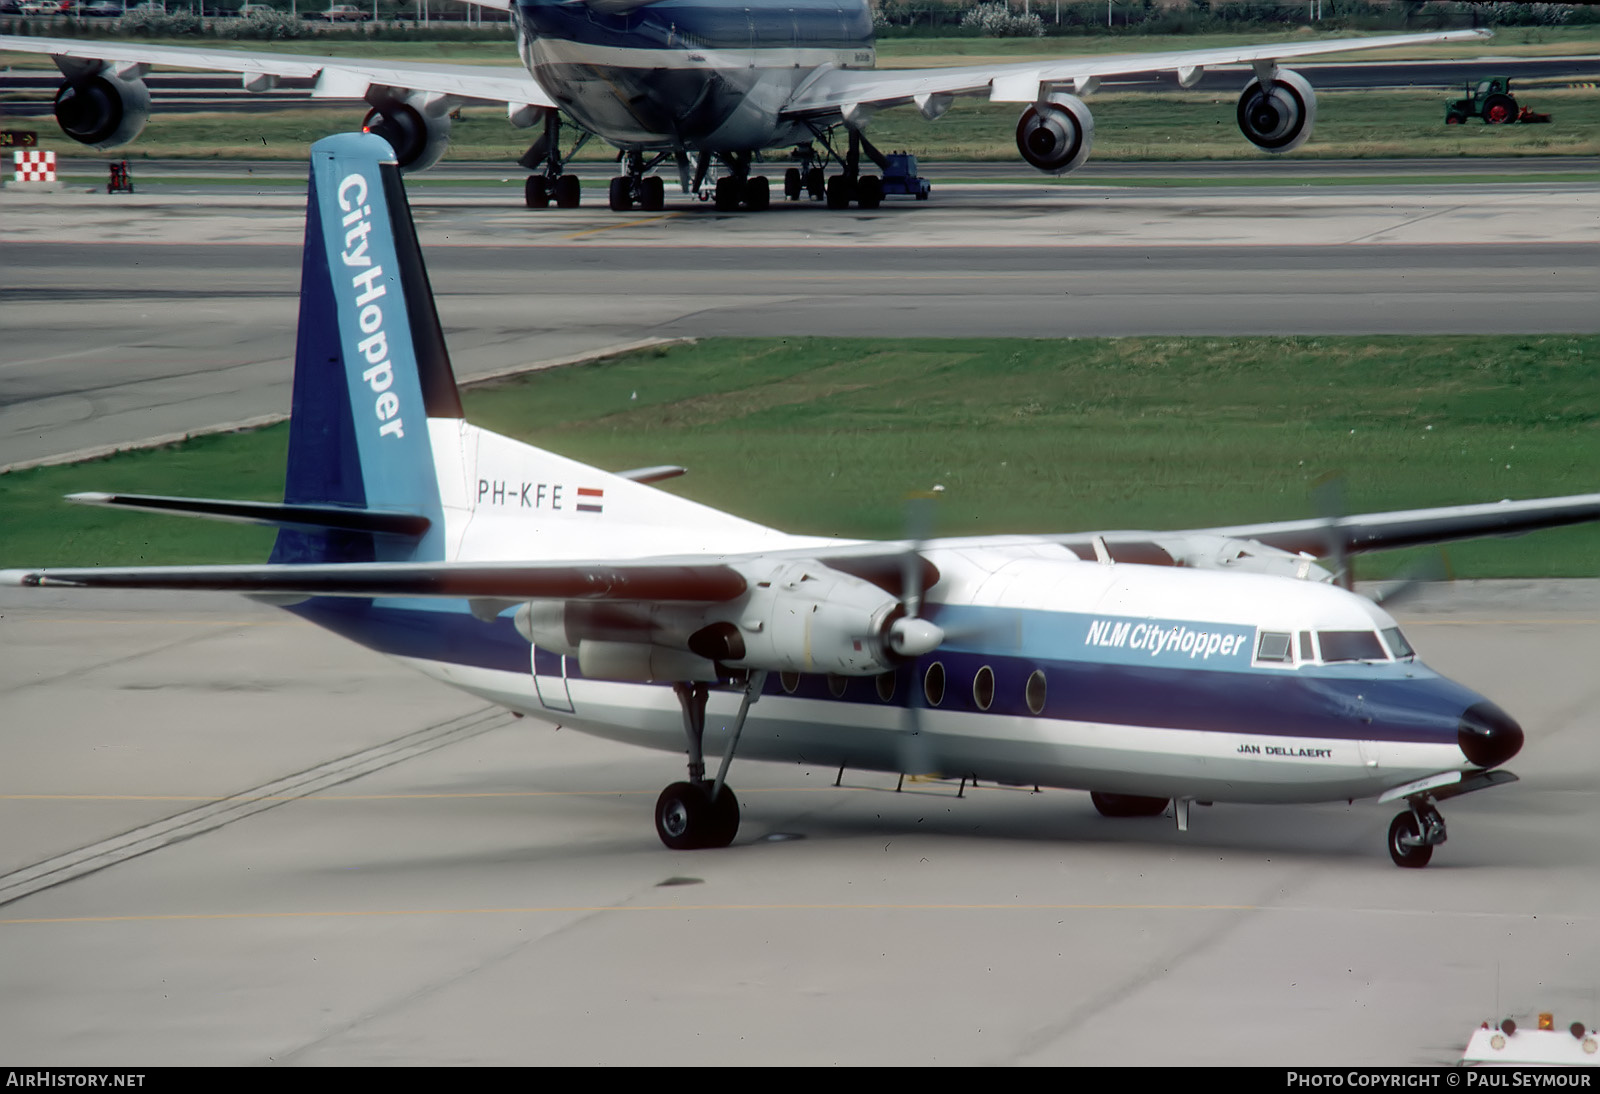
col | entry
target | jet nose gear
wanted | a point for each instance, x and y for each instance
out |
(1488, 735)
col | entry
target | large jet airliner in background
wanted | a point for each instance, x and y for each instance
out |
(712, 87)
(1153, 669)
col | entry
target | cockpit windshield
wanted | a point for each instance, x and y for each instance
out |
(1352, 646)
(1398, 646)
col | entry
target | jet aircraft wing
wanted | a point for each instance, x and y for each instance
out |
(336, 78)
(846, 90)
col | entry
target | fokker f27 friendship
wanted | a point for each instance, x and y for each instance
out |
(1152, 669)
(711, 87)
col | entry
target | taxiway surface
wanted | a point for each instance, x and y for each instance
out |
(309, 855)
(133, 316)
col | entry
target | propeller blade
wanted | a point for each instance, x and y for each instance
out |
(919, 525)
(1328, 495)
(1430, 571)
(915, 749)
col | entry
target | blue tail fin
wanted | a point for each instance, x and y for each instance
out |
(370, 361)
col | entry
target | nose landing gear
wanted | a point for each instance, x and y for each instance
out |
(1415, 833)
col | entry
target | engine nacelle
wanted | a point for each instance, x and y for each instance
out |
(103, 110)
(1055, 134)
(417, 127)
(1278, 119)
(797, 616)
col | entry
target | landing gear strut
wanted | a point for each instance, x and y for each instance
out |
(703, 813)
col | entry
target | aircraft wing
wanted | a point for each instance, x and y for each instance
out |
(689, 582)
(1418, 527)
(336, 78)
(846, 90)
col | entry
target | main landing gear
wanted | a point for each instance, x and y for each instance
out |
(550, 181)
(700, 813)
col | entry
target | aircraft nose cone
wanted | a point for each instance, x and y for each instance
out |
(1488, 735)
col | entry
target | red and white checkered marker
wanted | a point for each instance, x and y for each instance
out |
(34, 165)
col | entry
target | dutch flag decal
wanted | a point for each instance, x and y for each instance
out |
(591, 500)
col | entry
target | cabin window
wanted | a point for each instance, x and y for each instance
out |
(1274, 646)
(1036, 692)
(1351, 646)
(837, 684)
(983, 688)
(1398, 646)
(790, 681)
(933, 684)
(885, 686)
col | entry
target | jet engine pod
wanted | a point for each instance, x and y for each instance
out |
(1279, 119)
(1055, 134)
(103, 110)
(417, 127)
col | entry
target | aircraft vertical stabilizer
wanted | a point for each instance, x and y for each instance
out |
(371, 366)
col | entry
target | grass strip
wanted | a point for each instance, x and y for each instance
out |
(828, 435)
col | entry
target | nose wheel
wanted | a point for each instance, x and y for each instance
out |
(1414, 834)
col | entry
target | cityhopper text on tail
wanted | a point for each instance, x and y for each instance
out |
(1151, 669)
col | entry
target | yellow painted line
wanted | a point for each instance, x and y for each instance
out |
(569, 909)
(622, 224)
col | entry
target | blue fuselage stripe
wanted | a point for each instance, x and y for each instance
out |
(1413, 705)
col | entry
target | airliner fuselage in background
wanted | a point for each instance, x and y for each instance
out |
(712, 88)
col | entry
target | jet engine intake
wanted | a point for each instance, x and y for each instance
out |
(1279, 117)
(103, 110)
(416, 125)
(1055, 134)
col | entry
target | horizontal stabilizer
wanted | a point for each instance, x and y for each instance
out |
(306, 518)
(691, 583)
(653, 474)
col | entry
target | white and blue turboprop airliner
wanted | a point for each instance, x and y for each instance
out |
(1153, 669)
(707, 86)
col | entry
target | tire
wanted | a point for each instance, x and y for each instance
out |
(1412, 858)
(1127, 805)
(869, 192)
(727, 194)
(536, 192)
(791, 184)
(568, 192)
(816, 185)
(681, 816)
(1499, 109)
(757, 193)
(723, 819)
(653, 196)
(1454, 119)
(620, 194)
(840, 192)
